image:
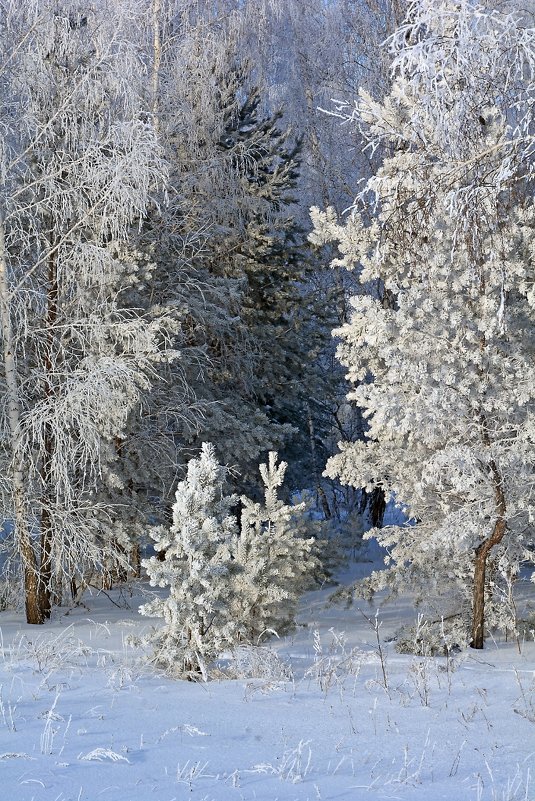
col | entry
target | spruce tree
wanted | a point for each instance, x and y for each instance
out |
(282, 319)
(196, 566)
(275, 563)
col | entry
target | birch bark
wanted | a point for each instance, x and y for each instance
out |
(30, 565)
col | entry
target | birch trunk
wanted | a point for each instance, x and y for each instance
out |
(157, 60)
(45, 589)
(34, 612)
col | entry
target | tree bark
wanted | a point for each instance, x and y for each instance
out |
(377, 507)
(319, 489)
(480, 566)
(45, 577)
(157, 59)
(22, 533)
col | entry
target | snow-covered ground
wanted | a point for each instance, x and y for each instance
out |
(318, 718)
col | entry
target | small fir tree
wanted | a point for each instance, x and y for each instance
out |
(197, 567)
(276, 563)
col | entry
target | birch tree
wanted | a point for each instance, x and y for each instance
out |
(445, 375)
(78, 158)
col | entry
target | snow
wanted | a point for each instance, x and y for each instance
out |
(82, 719)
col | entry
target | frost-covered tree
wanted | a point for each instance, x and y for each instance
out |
(78, 160)
(450, 403)
(229, 245)
(309, 52)
(281, 312)
(206, 203)
(197, 565)
(276, 563)
(230, 255)
(225, 586)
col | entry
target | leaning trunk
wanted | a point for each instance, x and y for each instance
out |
(480, 566)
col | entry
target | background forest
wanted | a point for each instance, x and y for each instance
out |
(167, 303)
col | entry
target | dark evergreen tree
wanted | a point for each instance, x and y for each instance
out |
(283, 309)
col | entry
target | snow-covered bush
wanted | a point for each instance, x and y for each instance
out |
(433, 638)
(197, 567)
(10, 593)
(350, 531)
(309, 522)
(258, 662)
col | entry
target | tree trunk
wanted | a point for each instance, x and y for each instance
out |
(319, 489)
(157, 59)
(32, 605)
(136, 560)
(478, 601)
(480, 566)
(45, 574)
(22, 534)
(45, 578)
(377, 507)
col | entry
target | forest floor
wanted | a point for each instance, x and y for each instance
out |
(326, 714)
